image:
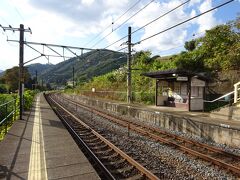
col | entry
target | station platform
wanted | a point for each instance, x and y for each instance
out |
(196, 124)
(202, 117)
(39, 147)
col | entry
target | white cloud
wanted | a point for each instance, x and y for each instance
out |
(166, 40)
(88, 2)
(194, 2)
(208, 20)
(81, 20)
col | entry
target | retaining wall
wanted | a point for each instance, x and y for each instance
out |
(216, 133)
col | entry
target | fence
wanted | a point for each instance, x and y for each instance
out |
(237, 92)
(226, 99)
(8, 114)
(139, 97)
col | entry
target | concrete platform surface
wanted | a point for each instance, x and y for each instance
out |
(39, 147)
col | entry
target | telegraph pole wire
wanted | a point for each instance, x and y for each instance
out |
(183, 22)
(122, 23)
(113, 22)
(21, 60)
(161, 16)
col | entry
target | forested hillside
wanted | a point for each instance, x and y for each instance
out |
(40, 68)
(89, 65)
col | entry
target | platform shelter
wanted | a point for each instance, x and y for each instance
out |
(179, 88)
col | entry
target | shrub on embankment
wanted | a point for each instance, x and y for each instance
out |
(7, 109)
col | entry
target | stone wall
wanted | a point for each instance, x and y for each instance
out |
(215, 133)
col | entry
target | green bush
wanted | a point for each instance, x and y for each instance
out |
(3, 88)
(5, 110)
(212, 106)
(144, 97)
(28, 98)
(3, 99)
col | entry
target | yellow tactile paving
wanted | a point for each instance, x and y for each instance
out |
(37, 165)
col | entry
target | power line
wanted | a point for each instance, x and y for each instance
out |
(19, 14)
(128, 10)
(180, 46)
(183, 22)
(98, 51)
(123, 23)
(16, 11)
(196, 35)
(6, 23)
(4, 20)
(161, 16)
(21, 30)
(114, 21)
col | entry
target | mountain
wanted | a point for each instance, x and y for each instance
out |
(87, 66)
(1, 72)
(40, 68)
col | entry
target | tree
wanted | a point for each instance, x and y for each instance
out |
(190, 45)
(191, 60)
(142, 58)
(3, 88)
(220, 47)
(11, 78)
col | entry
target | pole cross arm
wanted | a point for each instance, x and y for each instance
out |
(10, 28)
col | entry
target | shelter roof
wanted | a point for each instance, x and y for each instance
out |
(173, 73)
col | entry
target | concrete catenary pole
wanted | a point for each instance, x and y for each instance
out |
(73, 74)
(21, 77)
(129, 77)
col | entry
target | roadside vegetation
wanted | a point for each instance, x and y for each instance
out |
(216, 54)
(9, 100)
(5, 110)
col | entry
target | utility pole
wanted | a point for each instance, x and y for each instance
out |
(21, 60)
(21, 54)
(36, 72)
(129, 77)
(73, 75)
(42, 84)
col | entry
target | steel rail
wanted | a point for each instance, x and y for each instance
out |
(146, 173)
(79, 140)
(135, 127)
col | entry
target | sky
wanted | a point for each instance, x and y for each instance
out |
(98, 23)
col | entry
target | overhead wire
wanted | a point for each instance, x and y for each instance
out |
(180, 5)
(119, 50)
(123, 23)
(17, 12)
(114, 22)
(149, 23)
(185, 21)
(223, 4)
(3, 31)
(196, 35)
(4, 20)
(161, 16)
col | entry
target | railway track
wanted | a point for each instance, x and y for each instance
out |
(110, 161)
(212, 155)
